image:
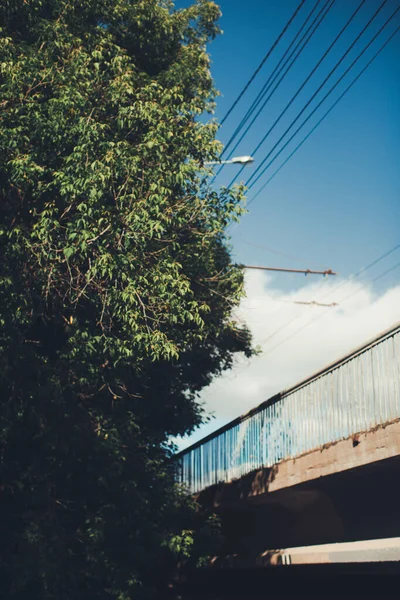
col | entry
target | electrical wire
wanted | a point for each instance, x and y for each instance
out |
(336, 288)
(269, 249)
(321, 101)
(262, 93)
(268, 54)
(272, 78)
(303, 85)
(315, 93)
(245, 366)
(322, 118)
(267, 86)
(396, 266)
(343, 283)
(330, 3)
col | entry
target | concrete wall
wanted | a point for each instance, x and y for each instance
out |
(346, 492)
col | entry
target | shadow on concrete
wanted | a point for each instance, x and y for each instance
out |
(357, 504)
(253, 484)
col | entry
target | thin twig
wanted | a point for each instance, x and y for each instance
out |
(99, 235)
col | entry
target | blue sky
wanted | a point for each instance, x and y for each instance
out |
(336, 203)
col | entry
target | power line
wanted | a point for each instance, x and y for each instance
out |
(323, 99)
(267, 88)
(345, 282)
(331, 108)
(317, 91)
(396, 266)
(269, 249)
(268, 54)
(260, 96)
(322, 118)
(301, 88)
(273, 76)
(336, 288)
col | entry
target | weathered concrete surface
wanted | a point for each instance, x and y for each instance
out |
(365, 551)
(359, 450)
(346, 492)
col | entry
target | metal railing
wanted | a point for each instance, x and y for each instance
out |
(352, 395)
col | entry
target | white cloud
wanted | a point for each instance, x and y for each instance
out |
(325, 335)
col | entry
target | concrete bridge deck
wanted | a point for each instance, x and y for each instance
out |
(316, 465)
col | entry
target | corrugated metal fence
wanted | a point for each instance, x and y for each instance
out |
(352, 395)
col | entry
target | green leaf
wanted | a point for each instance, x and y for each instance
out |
(69, 251)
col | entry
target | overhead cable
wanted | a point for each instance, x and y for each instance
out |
(338, 63)
(332, 290)
(268, 54)
(274, 76)
(307, 79)
(324, 98)
(270, 249)
(335, 288)
(396, 266)
(320, 120)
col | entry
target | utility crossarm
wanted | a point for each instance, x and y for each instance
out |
(305, 271)
(313, 302)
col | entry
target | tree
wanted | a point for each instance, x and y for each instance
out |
(116, 286)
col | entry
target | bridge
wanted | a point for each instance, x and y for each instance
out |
(315, 465)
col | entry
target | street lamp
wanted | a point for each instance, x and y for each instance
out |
(241, 160)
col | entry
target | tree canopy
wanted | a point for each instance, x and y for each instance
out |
(117, 288)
